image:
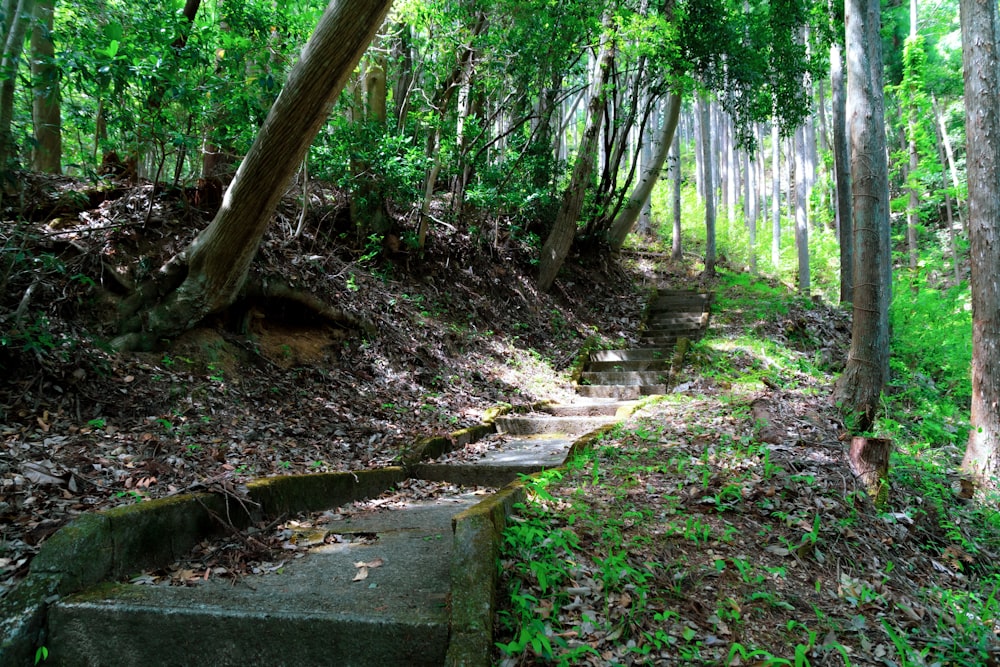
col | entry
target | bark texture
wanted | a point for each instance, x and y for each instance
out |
(207, 276)
(842, 174)
(859, 387)
(15, 31)
(46, 156)
(709, 179)
(982, 122)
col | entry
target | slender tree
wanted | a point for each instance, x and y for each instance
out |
(623, 224)
(842, 174)
(46, 155)
(675, 176)
(707, 161)
(981, 61)
(801, 152)
(859, 387)
(560, 239)
(15, 28)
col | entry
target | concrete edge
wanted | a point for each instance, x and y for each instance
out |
(439, 445)
(117, 542)
(477, 535)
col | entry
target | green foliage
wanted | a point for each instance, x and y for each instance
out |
(931, 353)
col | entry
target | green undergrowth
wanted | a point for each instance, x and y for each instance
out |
(682, 538)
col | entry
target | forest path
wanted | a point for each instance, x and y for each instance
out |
(398, 580)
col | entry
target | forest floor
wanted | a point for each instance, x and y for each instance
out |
(719, 526)
(722, 525)
(272, 387)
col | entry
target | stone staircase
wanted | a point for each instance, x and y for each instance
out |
(429, 601)
(648, 369)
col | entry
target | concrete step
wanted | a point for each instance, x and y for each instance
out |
(311, 613)
(673, 319)
(591, 408)
(661, 341)
(534, 424)
(646, 354)
(624, 377)
(682, 302)
(636, 365)
(510, 459)
(620, 391)
(671, 332)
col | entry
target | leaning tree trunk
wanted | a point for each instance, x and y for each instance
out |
(560, 239)
(982, 122)
(860, 386)
(46, 156)
(207, 276)
(622, 225)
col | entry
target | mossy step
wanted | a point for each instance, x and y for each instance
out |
(311, 613)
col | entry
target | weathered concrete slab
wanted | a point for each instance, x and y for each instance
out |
(535, 424)
(636, 365)
(600, 407)
(650, 354)
(625, 377)
(312, 613)
(620, 392)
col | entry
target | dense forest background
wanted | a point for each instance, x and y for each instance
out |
(471, 117)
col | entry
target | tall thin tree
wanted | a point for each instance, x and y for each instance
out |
(859, 387)
(981, 62)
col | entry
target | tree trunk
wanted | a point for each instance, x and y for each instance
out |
(802, 207)
(952, 240)
(709, 179)
(46, 155)
(644, 224)
(751, 204)
(560, 239)
(622, 225)
(981, 61)
(869, 461)
(775, 195)
(732, 170)
(860, 386)
(17, 26)
(675, 175)
(913, 201)
(207, 276)
(952, 168)
(842, 175)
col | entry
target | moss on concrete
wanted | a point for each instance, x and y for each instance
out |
(477, 535)
(22, 618)
(292, 494)
(156, 532)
